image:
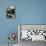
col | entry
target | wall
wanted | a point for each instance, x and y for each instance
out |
(27, 12)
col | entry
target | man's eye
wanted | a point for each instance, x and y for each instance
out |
(8, 10)
(12, 11)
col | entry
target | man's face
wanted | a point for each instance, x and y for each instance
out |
(10, 12)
